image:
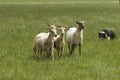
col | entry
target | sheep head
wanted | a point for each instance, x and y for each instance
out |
(52, 28)
(62, 29)
(52, 34)
(80, 24)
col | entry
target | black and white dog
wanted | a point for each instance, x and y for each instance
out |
(107, 34)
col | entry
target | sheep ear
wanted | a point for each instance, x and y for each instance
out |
(66, 28)
(77, 22)
(48, 24)
(83, 22)
(48, 27)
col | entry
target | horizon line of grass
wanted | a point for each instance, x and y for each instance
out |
(60, 2)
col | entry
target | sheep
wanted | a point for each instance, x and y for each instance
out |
(46, 44)
(39, 44)
(74, 37)
(60, 42)
(49, 45)
(40, 39)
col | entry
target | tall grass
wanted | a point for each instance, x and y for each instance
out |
(20, 23)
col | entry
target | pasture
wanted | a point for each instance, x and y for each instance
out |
(21, 20)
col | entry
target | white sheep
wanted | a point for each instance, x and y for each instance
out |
(60, 42)
(74, 37)
(40, 39)
(39, 44)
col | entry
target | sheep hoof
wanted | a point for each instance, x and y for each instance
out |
(53, 58)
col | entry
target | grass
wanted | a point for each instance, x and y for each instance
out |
(52, 1)
(19, 23)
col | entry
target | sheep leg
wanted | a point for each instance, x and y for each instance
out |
(69, 47)
(58, 52)
(52, 53)
(35, 50)
(44, 53)
(72, 48)
(79, 48)
(40, 51)
(61, 51)
(47, 54)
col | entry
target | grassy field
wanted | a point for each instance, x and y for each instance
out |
(55, 1)
(19, 23)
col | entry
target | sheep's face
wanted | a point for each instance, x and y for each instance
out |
(52, 28)
(63, 29)
(80, 24)
(52, 33)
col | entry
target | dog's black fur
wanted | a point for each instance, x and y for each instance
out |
(107, 34)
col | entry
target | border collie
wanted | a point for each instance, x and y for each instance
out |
(107, 34)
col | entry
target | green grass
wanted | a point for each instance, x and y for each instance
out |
(54, 1)
(19, 23)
